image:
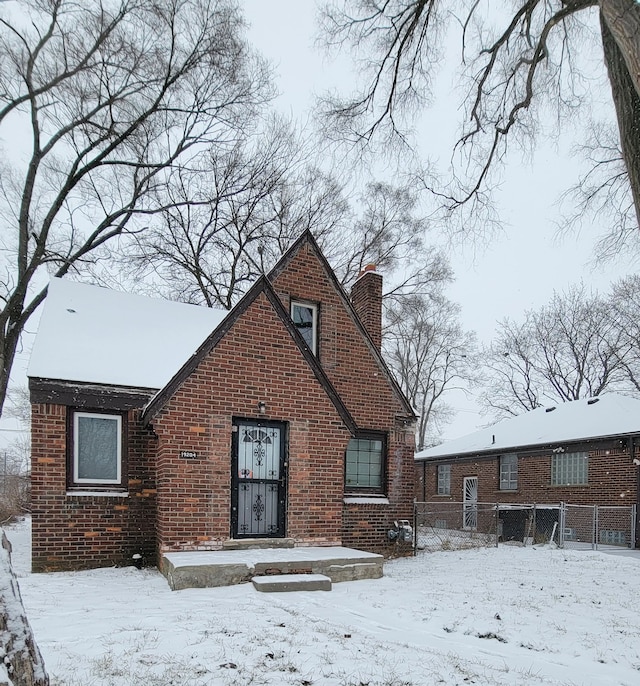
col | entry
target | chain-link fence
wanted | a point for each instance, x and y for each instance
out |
(593, 526)
(454, 525)
(457, 525)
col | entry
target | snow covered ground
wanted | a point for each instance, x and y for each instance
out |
(485, 616)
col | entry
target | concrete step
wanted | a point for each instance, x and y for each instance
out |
(258, 543)
(291, 582)
(207, 569)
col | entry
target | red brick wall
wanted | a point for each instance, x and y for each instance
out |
(365, 389)
(366, 296)
(612, 479)
(82, 532)
(257, 360)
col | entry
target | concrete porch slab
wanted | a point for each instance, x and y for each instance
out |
(208, 569)
(280, 583)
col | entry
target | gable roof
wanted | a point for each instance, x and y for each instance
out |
(96, 335)
(307, 238)
(262, 285)
(607, 416)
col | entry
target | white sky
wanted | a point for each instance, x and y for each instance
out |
(514, 272)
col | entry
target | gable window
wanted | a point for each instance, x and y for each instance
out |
(570, 469)
(96, 450)
(509, 472)
(305, 319)
(444, 479)
(364, 464)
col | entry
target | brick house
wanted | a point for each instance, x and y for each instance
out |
(159, 426)
(584, 452)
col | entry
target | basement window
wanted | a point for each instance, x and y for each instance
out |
(305, 319)
(96, 450)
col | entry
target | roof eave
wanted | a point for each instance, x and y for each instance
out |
(529, 448)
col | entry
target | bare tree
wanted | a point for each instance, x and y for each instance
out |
(112, 101)
(254, 201)
(430, 354)
(572, 348)
(624, 308)
(214, 238)
(515, 60)
(390, 232)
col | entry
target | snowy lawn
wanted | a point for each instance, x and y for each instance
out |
(488, 616)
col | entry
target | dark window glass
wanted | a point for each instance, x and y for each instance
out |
(364, 463)
(304, 317)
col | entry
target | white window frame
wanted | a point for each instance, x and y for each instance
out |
(570, 469)
(76, 428)
(443, 477)
(509, 472)
(314, 320)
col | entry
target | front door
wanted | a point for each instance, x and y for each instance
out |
(470, 502)
(258, 479)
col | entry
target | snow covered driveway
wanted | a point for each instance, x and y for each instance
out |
(490, 616)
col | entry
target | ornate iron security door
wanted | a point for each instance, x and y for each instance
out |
(258, 480)
(470, 502)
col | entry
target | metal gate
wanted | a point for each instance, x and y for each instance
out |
(258, 479)
(470, 502)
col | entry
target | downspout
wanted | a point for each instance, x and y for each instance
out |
(424, 481)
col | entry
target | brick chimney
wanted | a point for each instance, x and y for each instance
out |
(366, 298)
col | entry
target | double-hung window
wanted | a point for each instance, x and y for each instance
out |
(365, 464)
(305, 319)
(570, 469)
(96, 452)
(444, 479)
(509, 472)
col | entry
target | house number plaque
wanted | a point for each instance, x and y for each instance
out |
(188, 454)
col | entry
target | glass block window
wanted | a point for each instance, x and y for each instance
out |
(570, 469)
(364, 466)
(509, 472)
(444, 479)
(305, 319)
(97, 449)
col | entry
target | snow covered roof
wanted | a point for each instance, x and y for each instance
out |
(605, 416)
(97, 335)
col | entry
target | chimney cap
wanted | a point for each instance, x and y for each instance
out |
(367, 269)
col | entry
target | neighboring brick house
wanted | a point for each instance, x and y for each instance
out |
(584, 452)
(158, 426)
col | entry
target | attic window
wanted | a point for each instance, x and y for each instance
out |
(305, 319)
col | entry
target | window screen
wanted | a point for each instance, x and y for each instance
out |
(97, 448)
